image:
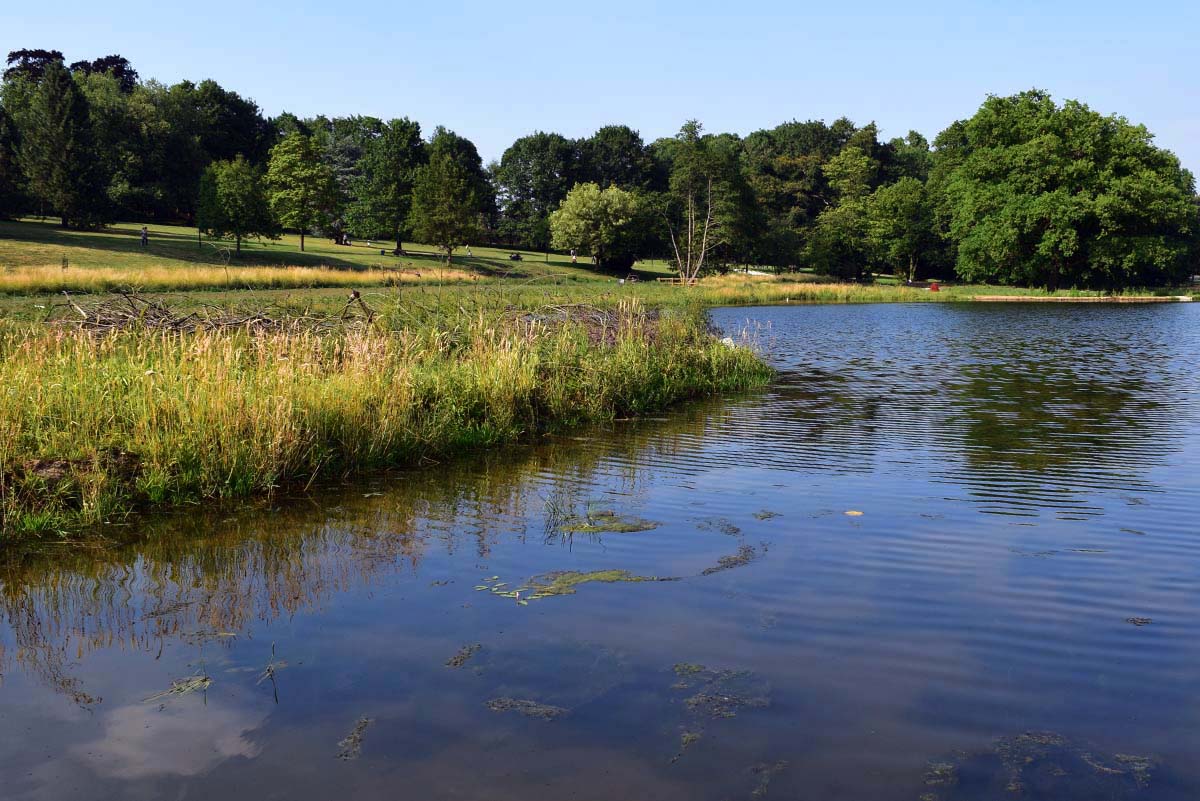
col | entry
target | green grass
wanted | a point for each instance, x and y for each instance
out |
(33, 255)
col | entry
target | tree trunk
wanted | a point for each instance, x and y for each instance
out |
(238, 246)
(64, 221)
(912, 268)
(301, 240)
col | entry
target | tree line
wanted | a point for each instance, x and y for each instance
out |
(1026, 191)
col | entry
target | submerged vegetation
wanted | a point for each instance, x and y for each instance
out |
(1039, 764)
(528, 708)
(350, 747)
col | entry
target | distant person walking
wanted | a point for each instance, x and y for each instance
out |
(574, 260)
(468, 250)
(145, 236)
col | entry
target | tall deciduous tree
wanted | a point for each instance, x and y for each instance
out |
(839, 243)
(233, 202)
(900, 226)
(389, 167)
(301, 188)
(30, 64)
(600, 222)
(616, 156)
(706, 204)
(445, 204)
(116, 66)
(58, 152)
(1049, 195)
(533, 177)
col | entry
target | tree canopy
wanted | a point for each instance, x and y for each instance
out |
(1049, 195)
(57, 151)
(1026, 191)
(383, 192)
(301, 188)
(446, 206)
(233, 202)
(599, 222)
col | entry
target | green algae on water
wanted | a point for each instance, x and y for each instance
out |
(688, 669)
(564, 582)
(607, 523)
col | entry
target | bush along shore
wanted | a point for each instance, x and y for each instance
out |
(108, 415)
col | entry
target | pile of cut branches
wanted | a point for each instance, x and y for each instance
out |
(601, 324)
(131, 312)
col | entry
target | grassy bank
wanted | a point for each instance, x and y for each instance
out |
(93, 427)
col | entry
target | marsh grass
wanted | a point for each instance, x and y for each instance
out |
(91, 428)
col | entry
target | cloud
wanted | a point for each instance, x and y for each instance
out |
(141, 741)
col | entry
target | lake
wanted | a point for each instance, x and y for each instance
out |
(951, 553)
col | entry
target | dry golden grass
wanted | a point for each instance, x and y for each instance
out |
(41, 279)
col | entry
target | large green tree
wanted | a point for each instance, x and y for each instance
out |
(1047, 195)
(533, 177)
(900, 227)
(839, 244)
(383, 191)
(600, 222)
(784, 168)
(233, 202)
(446, 207)
(58, 152)
(301, 186)
(616, 156)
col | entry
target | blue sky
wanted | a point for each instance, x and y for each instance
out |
(494, 71)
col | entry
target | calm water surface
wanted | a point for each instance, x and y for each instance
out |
(1027, 484)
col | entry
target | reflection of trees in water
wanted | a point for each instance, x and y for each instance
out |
(1040, 429)
(199, 578)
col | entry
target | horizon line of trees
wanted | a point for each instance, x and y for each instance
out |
(1026, 191)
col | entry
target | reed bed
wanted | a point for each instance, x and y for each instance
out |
(93, 426)
(749, 290)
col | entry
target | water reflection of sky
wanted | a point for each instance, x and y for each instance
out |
(1027, 484)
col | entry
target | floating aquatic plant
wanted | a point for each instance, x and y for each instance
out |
(181, 687)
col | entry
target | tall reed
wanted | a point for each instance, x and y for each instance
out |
(92, 427)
